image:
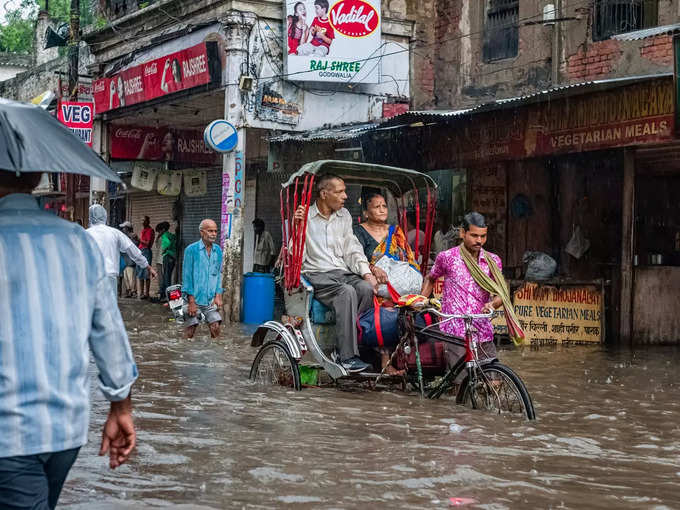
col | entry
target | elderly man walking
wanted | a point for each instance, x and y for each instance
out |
(202, 280)
(56, 305)
(112, 242)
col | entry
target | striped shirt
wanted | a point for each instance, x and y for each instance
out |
(55, 306)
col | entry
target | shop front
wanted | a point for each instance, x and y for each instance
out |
(584, 174)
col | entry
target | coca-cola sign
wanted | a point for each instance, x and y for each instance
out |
(354, 18)
(184, 69)
(161, 144)
(333, 41)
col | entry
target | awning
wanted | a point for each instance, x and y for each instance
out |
(338, 133)
(647, 32)
(550, 94)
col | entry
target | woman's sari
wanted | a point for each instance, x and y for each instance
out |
(396, 247)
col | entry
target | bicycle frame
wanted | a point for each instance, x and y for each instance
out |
(469, 361)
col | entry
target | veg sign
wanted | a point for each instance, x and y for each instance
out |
(332, 41)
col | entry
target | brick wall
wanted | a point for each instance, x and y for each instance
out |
(594, 62)
(658, 49)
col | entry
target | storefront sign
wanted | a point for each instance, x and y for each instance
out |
(637, 114)
(273, 106)
(327, 41)
(160, 144)
(552, 315)
(78, 118)
(177, 71)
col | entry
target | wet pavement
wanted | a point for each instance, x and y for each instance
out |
(607, 435)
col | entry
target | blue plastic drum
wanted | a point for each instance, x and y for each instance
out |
(258, 298)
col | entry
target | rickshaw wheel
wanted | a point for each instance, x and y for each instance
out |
(274, 366)
(506, 393)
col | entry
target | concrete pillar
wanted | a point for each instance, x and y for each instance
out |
(237, 27)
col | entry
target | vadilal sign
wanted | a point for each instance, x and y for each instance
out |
(332, 41)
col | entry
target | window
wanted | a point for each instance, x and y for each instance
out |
(501, 30)
(613, 17)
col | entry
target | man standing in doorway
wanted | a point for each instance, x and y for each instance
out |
(56, 306)
(462, 294)
(264, 248)
(335, 264)
(202, 280)
(146, 238)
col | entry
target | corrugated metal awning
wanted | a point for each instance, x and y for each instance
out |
(550, 94)
(334, 133)
(647, 32)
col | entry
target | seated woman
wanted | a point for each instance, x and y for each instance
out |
(378, 239)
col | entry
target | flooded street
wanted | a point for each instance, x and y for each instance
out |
(607, 435)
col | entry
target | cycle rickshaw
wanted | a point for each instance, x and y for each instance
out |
(305, 339)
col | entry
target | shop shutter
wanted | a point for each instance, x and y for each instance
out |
(157, 207)
(196, 209)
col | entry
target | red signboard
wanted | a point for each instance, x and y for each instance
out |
(174, 72)
(78, 117)
(354, 18)
(161, 144)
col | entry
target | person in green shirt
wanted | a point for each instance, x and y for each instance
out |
(168, 255)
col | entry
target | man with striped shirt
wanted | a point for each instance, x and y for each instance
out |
(56, 306)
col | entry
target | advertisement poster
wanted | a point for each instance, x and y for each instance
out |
(161, 144)
(78, 118)
(329, 40)
(177, 71)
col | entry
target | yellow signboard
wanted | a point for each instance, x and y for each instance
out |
(552, 315)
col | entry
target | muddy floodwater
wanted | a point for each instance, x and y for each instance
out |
(607, 435)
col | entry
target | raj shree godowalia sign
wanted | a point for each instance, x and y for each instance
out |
(328, 40)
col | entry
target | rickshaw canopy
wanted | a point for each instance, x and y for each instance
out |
(398, 181)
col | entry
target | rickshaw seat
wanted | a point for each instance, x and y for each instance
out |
(318, 312)
(321, 314)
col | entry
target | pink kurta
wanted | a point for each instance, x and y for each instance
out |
(461, 293)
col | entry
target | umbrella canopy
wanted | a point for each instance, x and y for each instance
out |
(32, 140)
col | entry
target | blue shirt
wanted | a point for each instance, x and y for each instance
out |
(56, 306)
(202, 274)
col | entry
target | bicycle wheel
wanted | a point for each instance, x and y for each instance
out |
(497, 389)
(274, 366)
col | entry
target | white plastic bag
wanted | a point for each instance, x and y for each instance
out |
(401, 275)
(578, 244)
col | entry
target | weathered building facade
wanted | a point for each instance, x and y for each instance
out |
(238, 46)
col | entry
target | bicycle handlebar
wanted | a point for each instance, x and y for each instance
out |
(462, 316)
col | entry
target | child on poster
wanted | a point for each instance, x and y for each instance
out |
(321, 33)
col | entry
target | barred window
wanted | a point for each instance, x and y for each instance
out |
(501, 30)
(613, 17)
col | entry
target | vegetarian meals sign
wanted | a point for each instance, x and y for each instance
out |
(335, 41)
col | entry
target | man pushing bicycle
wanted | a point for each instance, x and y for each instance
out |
(473, 284)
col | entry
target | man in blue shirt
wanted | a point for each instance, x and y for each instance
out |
(202, 280)
(56, 306)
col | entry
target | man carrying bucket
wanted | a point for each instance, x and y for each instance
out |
(335, 264)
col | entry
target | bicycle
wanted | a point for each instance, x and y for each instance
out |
(486, 384)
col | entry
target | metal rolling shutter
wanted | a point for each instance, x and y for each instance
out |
(157, 207)
(196, 209)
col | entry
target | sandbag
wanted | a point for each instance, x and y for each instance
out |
(540, 266)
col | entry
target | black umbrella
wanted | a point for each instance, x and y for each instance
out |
(32, 140)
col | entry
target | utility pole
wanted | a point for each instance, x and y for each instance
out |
(73, 44)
